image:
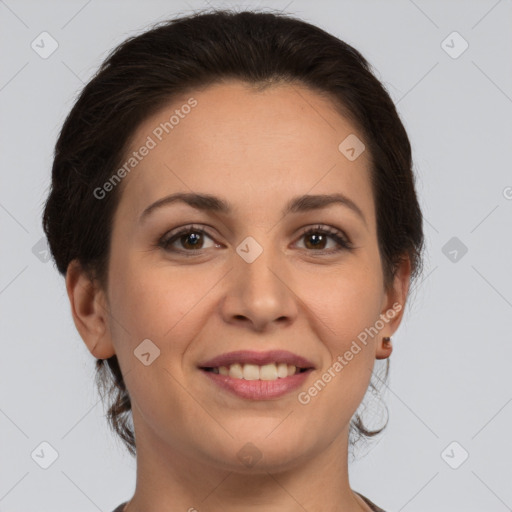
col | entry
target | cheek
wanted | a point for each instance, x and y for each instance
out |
(144, 305)
(159, 303)
(345, 307)
(345, 300)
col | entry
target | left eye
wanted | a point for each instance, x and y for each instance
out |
(191, 239)
(322, 234)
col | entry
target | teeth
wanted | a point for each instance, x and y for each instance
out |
(282, 370)
(236, 371)
(270, 371)
(251, 372)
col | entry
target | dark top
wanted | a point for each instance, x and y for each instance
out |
(372, 505)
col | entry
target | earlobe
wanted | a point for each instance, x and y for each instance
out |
(384, 349)
(393, 308)
(89, 310)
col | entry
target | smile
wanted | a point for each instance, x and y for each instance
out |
(272, 371)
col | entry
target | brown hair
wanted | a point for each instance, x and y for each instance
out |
(147, 71)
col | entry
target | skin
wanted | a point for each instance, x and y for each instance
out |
(256, 150)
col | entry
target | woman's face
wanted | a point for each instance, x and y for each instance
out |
(252, 282)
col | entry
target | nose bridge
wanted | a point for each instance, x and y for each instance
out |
(258, 265)
(259, 291)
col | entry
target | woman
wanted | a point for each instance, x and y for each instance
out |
(233, 208)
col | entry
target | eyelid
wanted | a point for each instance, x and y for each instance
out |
(164, 240)
(342, 240)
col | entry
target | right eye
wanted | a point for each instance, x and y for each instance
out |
(190, 238)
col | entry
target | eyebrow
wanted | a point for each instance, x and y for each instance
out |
(207, 202)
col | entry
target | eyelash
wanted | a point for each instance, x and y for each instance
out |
(343, 243)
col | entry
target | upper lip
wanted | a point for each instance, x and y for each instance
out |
(257, 358)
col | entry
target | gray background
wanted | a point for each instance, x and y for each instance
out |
(451, 366)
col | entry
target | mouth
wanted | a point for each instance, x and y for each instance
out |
(256, 375)
(271, 371)
(250, 365)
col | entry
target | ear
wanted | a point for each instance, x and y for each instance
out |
(393, 306)
(90, 311)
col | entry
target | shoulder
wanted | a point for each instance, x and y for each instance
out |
(120, 507)
(372, 505)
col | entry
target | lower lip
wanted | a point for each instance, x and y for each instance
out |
(258, 389)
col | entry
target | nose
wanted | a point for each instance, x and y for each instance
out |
(260, 294)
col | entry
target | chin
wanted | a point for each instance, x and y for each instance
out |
(264, 451)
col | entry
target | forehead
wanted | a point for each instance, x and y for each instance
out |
(256, 148)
